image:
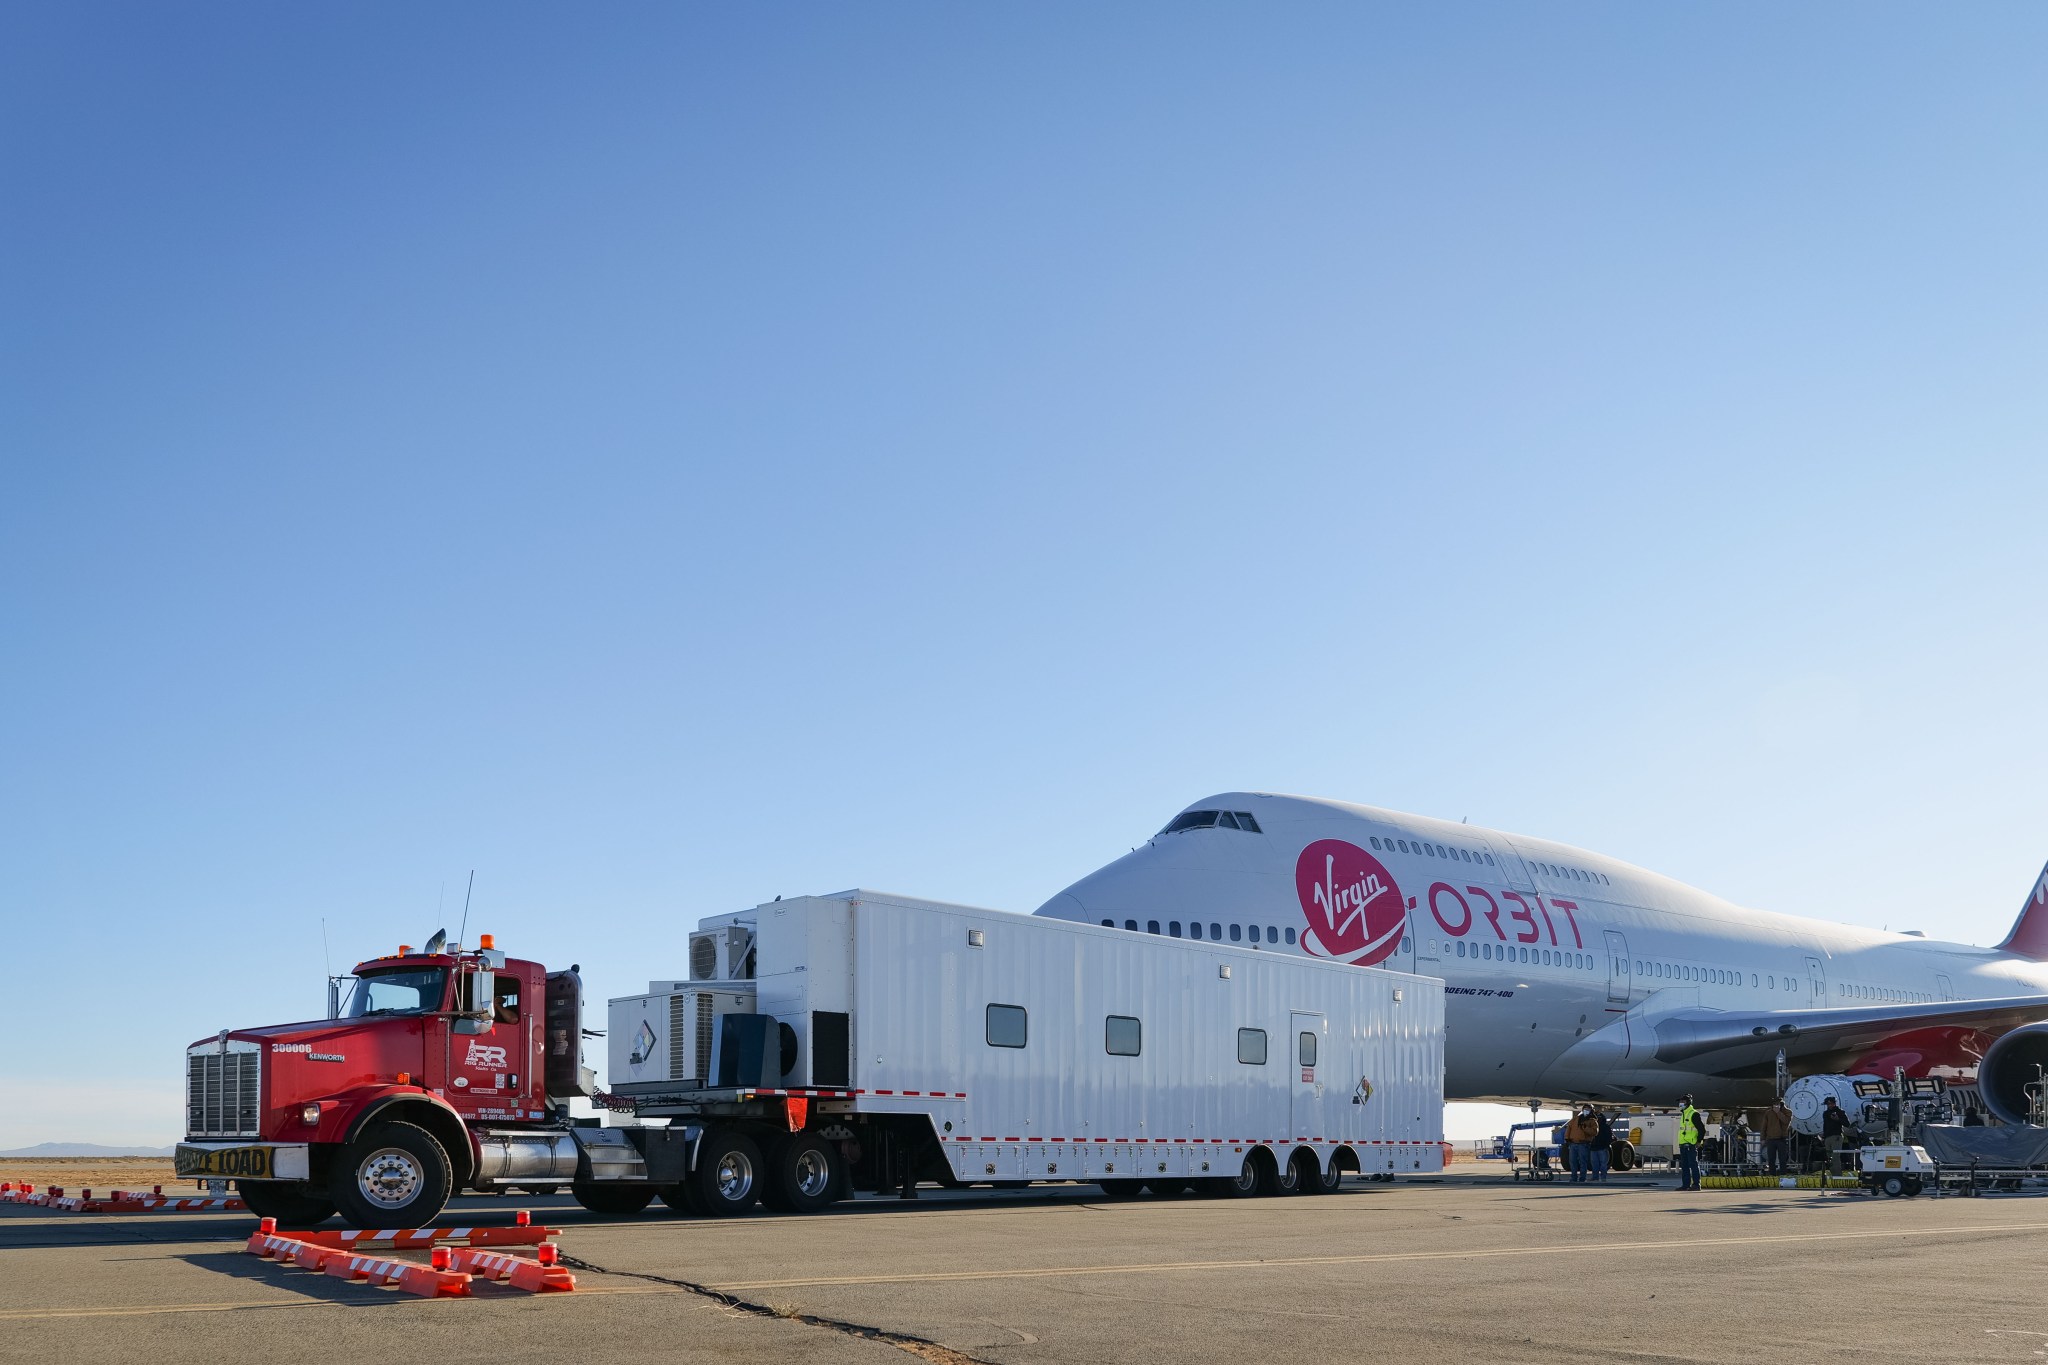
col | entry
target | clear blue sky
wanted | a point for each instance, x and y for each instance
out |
(663, 457)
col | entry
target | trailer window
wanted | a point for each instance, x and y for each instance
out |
(1007, 1026)
(1123, 1036)
(1251, 1046)
(1308, 1049)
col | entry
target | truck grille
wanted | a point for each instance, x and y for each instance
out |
(221, 1094)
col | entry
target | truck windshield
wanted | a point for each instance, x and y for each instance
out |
(402, 992)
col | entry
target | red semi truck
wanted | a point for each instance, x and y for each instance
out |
(447, 1069)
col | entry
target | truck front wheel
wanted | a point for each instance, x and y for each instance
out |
(293, 1206)
(394, 1175)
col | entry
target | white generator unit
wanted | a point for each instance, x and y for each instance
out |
(888, 1040)
(667, 1039)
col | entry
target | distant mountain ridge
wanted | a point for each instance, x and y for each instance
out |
(83, 1149)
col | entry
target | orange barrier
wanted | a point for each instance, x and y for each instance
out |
(388, 1239)
(288, 1250)
(537, 1276)
(413, 1278)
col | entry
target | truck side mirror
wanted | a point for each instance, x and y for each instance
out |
(474, 994)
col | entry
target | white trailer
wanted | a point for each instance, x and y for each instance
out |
(868, 1040)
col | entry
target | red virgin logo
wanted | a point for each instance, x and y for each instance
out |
(1354, 910)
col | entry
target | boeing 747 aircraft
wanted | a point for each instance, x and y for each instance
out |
(1570, 975)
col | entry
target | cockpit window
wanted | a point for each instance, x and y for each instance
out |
(1213, 819)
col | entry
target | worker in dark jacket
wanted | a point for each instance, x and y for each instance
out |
(1834, 1132)
(1603, 1140)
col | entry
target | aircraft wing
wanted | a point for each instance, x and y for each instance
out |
(1735, 1043)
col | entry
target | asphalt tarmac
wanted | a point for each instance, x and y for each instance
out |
(1465, 1267)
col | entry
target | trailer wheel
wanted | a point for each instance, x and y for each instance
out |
(1893, 1186)
(1287, 1179)
(728, 1174)
(1306, 1171)
(1621, 1155)
(1316, 1180)
(1120, 1189)
(1913, 1186)
(394, 1175)
(612, 1198)
(802, 1175)
(1253, 1179)
(291, 1205)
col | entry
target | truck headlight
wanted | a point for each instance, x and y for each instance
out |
(310, 1115)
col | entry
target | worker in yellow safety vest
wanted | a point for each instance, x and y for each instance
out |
(1692, 1130)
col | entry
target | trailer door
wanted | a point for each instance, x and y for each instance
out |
(1306, 1110)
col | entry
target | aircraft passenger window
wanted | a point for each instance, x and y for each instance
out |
(1173, 928)
(1131, 924)
(1216, 932)
(1236, 933)
(1308, 1048)
(1194, 928)
(1225, 820)
(1109, 924)
(1290, 936)
(1272, 934)
(1403, 843)
(1376, 843)
(1007, 1026)
(1251, 1046)
(1525, 955)
(1151, 926)
(1246, 823)
(1122, 1036)
(1489, 860)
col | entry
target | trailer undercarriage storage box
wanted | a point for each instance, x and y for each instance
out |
(990, 1046)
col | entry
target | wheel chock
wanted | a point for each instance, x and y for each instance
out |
(540, 1275)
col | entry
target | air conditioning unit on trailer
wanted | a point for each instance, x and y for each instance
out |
(722, 954)
(667, 1039)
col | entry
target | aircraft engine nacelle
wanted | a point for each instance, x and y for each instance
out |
(2010, 1065)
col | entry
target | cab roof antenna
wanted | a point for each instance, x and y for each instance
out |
(463, 932)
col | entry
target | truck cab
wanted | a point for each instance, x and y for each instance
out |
(444, 1069)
